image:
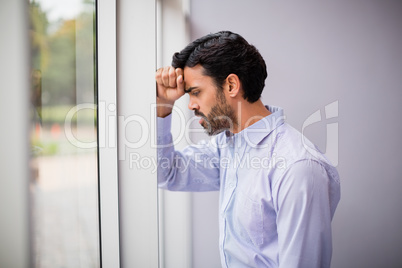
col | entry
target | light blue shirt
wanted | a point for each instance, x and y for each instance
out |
(278, 193)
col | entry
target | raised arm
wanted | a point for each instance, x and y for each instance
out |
(192, 169)
(170, 87)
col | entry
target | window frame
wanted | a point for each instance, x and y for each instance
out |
(107, 133)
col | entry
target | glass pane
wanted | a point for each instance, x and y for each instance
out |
(64, 184)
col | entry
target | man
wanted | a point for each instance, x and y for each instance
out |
(277, 199)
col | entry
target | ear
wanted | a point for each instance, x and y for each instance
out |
(233, 85)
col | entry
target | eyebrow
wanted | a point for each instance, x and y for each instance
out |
(189, 89)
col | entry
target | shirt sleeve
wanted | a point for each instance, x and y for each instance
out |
(304, 216)
(196, 168)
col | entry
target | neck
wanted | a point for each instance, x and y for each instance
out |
(249, 113)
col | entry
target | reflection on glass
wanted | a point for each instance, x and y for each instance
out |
(64, 184)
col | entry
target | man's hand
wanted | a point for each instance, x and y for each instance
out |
(170, 87)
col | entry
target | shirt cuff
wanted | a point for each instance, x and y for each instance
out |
(164, 125)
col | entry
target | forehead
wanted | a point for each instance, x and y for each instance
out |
(194, 77)
(193, 73)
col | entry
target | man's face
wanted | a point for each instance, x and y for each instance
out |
(208, 101)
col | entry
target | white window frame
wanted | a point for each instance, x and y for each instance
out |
(14, 138)
(107, 134)
(126, 88)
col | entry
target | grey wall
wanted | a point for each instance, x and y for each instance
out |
(319, 52)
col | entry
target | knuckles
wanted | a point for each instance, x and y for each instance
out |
(167, 76)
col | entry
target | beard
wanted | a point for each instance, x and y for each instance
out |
(221, 117)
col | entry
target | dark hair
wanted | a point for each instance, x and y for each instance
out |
(224, 53)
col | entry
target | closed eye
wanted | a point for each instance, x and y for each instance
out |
(195, 92)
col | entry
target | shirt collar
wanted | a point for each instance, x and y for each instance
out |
(255, 133)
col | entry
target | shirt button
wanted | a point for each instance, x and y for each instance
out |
(231, 185)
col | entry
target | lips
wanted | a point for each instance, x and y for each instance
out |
(202, 119)
(198, 113)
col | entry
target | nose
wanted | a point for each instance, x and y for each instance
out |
(192, 105)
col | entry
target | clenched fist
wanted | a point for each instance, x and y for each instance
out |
(170, 87)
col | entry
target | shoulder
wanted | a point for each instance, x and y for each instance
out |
(293, 146)
(295, 151)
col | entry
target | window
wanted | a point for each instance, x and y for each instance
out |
(63, 134)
